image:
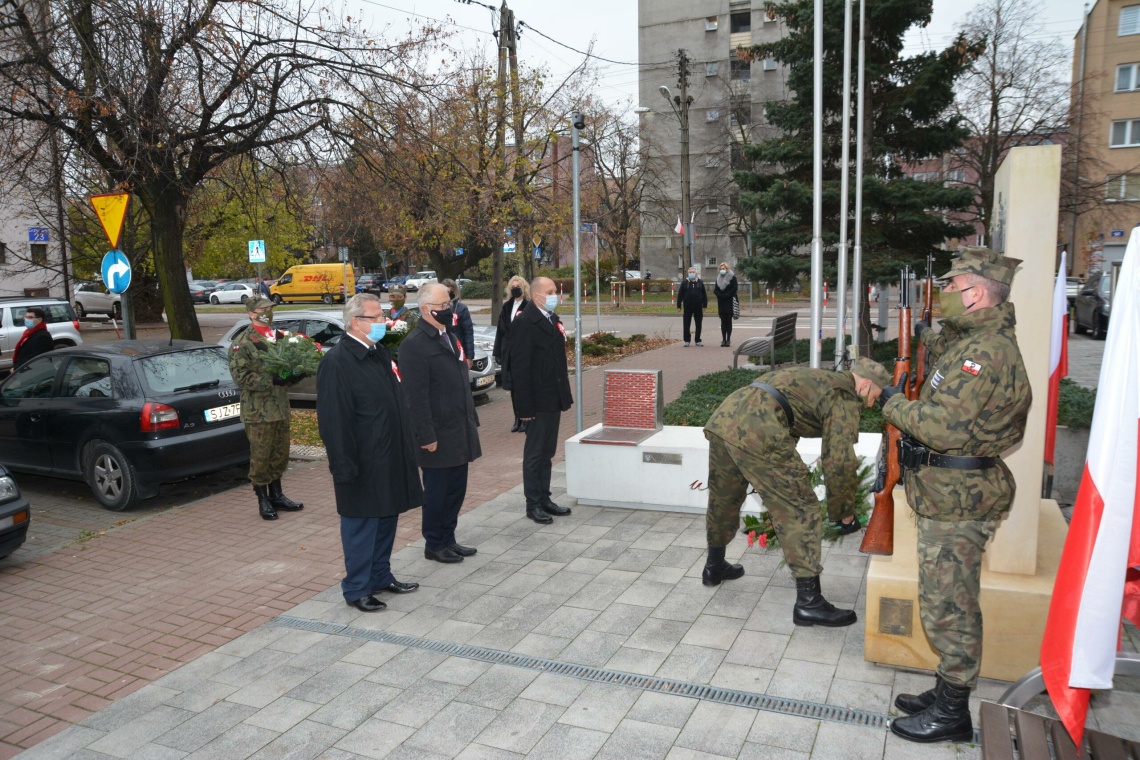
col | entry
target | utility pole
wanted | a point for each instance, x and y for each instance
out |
(500, 152)
(520, 165)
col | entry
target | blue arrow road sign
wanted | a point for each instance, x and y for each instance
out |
(116, 271)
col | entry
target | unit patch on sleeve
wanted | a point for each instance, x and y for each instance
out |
(972, 367)
(936, 379)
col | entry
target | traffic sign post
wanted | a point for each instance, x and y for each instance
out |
(111, 209)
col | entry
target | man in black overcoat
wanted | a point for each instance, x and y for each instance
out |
(541, 392)
(438, 387)
(366, 428)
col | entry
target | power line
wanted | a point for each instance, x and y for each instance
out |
(590, 55)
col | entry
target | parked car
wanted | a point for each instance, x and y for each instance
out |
(485, 341)
(1073, 287)
(399, 279)
(232, 292)
(58, 314)
(94, 298)
(1093, 305)
(15, 514)
(327, 328)
(125, 417)
(201, 290)
(414, 281)
(370, 283)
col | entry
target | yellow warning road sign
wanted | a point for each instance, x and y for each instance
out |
(111, 209)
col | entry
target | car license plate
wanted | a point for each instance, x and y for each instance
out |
(219, 413)
(483, 382)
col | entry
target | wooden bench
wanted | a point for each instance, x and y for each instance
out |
(782, 333)
(1035, 736)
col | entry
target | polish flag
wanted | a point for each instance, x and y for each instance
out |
(680, 228)
(1098, 581)
(1058, 358)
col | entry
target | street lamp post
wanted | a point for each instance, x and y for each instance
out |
(680, 105)
(577, 122)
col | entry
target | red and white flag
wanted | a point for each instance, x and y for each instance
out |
(1098, 581)
(1058, 358)
(680, 228)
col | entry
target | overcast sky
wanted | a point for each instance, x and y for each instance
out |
(612, 26)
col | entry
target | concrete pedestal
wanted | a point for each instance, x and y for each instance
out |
(1014, 607)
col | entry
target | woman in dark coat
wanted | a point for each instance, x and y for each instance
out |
(725, 292)
(518, 293)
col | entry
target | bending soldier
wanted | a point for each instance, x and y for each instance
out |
(752, 439)
(972, 408)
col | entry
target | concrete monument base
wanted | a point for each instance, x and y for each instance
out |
(1014, 607)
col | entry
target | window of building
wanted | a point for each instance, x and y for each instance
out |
(710, 261)
(742, 22)
(770, 64)
(741, 70)
(1128, 77)
(712, 161)
(39, 253)
(1125, 133)
(925, 176)
(3, 253)
(741, 114)
(712, 69)
(711, 24)
(712, 208)
(956, 175)
(1122, 187)
(739, 161)
(712, 114)
(1129, 20)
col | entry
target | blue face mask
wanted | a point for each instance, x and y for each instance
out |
(29, 323)
(551, 302)
(377, 332)
(692, 275)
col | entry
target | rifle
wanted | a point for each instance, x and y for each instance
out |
(921, 359)
(880, 535)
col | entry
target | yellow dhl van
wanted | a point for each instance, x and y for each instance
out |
(315, 282)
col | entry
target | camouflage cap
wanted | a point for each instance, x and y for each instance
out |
(397, 290)
(872, 370)
(258, 303)
(982, 262)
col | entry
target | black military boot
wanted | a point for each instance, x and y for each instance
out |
(916, 703)
(947, 720)
(812, 609)
(264, 505)
(280, 500)
(718, 569)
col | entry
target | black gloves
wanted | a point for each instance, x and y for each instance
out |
(891, 390)
(296, 377)
(919, 328)
(279, 381)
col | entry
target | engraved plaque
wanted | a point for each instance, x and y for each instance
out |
(895, 616)
(660, 457)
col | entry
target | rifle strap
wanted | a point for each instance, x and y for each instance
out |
(780, 399)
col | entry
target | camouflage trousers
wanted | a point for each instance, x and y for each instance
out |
(268, 451)
(949, 585)
(783, 482)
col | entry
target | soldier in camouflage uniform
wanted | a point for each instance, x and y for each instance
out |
(752, 439)
(972, 409)
(264, 409)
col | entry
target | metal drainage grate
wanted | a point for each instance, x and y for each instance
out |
(734, 697)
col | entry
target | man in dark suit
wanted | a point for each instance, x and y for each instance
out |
(364, 422)
(432, 363)
(541, 392)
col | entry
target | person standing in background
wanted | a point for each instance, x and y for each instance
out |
(692, 300)
(397, 311)
(518, 293)
(35, 340)
(725, 292)
(461, 325)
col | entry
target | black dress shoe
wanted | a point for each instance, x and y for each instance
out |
(552, 508)
(539, 515)
(515, 427)
(443, 555)
(367, 604)
(463, 551)
(848, 528)
(398, 588)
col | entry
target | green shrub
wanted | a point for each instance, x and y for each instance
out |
(606, 339)
(476, 289)
(593, 349)
(636, 338)
(1075, 405)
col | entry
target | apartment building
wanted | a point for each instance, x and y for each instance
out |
(1106, 132)
(727, 110)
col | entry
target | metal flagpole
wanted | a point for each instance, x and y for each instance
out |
(857, 256)
(817, 196)
(576, 123)
(845, 172)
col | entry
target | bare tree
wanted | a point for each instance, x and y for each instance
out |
(616, 187)
(159, 93)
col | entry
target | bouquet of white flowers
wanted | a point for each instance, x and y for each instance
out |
(292, 354)
(397, 331)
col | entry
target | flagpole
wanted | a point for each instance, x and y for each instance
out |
(817, 196)
(844, 177)
(860, 298)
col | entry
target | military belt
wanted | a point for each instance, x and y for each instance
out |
(780, 399)
(913, 454)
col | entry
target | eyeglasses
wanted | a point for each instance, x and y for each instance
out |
(372, 317)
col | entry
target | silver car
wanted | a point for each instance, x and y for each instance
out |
(62, 324)
(94, 298)
(327, 328)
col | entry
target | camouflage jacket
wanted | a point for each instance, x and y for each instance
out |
(261, 400)
(825, 406)
(974, 403)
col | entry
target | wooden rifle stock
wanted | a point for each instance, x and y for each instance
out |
(879, 537)
(921, 358)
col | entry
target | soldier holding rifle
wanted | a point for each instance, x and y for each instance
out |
(752, 439)
(972, 408)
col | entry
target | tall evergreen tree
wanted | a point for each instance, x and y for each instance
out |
(908, 119)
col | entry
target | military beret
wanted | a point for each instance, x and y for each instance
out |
(397, 290)
(872, 370)
(984, 263)
(257, 303)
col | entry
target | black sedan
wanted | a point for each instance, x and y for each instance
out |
(15, 515)
(201, 290)
(125, 417)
